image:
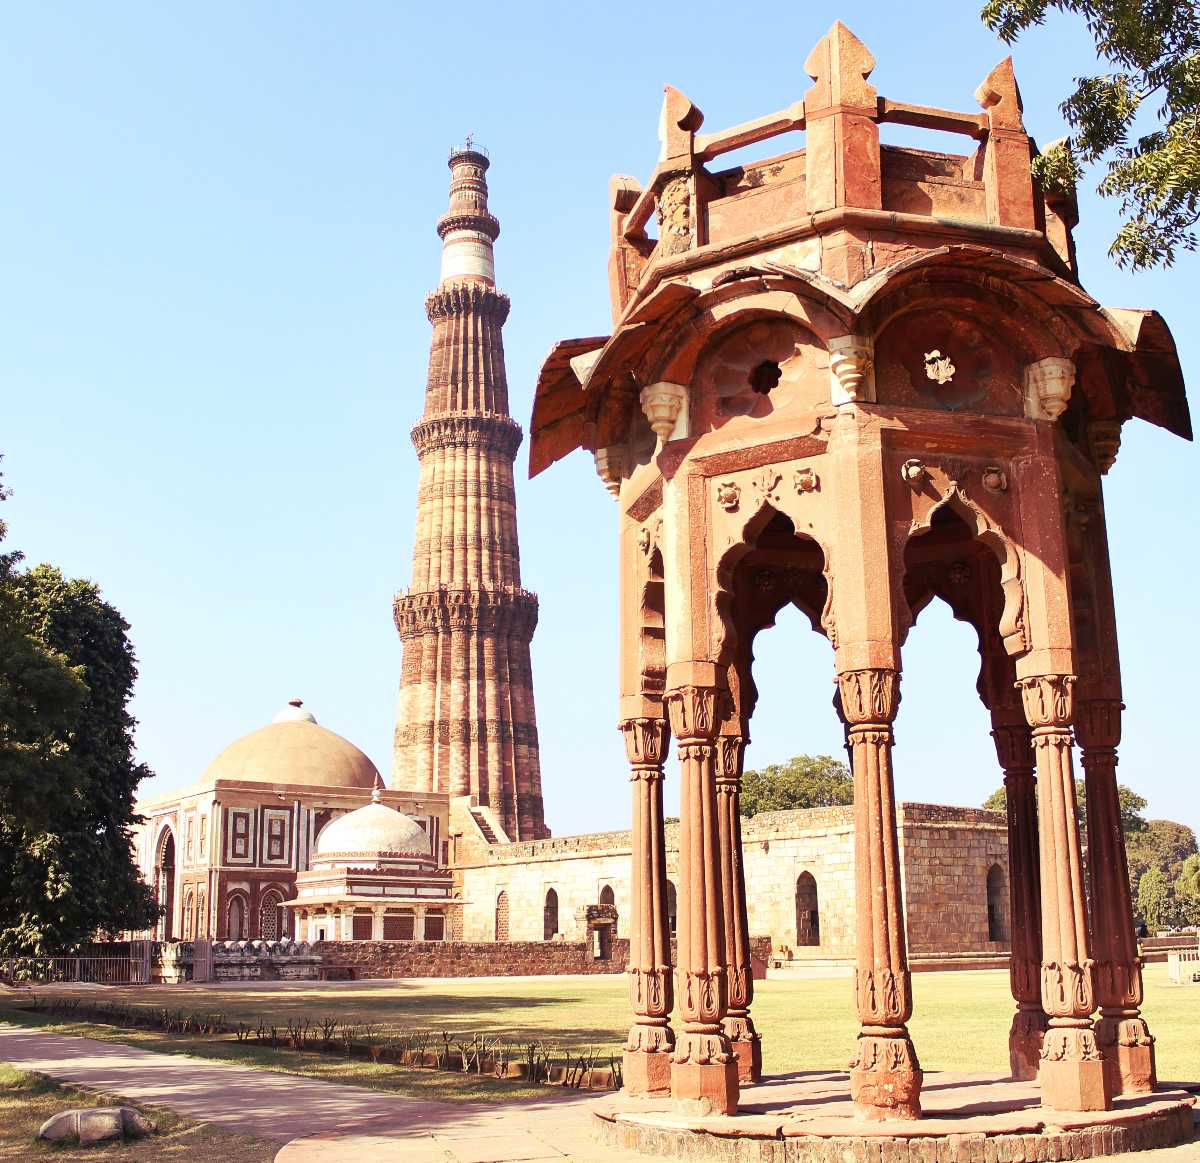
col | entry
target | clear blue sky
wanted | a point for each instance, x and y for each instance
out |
(217, 230)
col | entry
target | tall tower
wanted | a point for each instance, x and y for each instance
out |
(465, 722)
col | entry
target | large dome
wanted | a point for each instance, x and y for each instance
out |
(372, 830)
(294, 748)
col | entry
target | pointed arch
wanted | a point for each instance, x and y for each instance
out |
(550, 916)
(1011, 625)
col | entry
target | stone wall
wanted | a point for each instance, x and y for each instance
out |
(468, 958)
(400, 959)
(947, 853)
(945, 856)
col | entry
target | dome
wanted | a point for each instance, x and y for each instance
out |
(372, 830)
(294, 748)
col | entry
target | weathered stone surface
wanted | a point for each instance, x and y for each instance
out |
(97, 1125)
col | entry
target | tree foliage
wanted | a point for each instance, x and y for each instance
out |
(1131, 804)
(805, 781)
(67, 773)
(1153, 50)
(1164, 861)
(40, 695)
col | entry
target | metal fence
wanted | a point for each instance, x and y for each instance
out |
(128, 970)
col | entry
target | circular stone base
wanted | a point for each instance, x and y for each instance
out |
(809, 1118)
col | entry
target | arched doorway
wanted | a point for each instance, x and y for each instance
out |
(164, 884)
(502, 916)
(272, 923)
(236, 918)
(189, 905)
(997, 894)
(550, 916)
(808, 912)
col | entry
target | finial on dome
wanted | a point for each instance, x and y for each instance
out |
(294, 712)
(378, 790)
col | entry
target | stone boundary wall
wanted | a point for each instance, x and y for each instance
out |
(468, 958)
(486, 958)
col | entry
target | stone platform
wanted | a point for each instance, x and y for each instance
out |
(809, 1118)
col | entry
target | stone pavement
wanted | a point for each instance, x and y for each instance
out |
(368, 1124)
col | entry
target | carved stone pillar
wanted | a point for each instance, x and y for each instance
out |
(703, 1070)
(1072, 1069)
(1014, 748)
(1121, 1031)
(737, 1024)
(646, 1066)
(885, 1076)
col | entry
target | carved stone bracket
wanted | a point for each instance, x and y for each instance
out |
(1048, 384)
(663, 403)
(851, 370)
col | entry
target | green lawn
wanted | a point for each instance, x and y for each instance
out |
(960, 1023)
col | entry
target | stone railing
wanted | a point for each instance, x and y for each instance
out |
(284, 960)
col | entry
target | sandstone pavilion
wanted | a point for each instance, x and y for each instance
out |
(290, 832)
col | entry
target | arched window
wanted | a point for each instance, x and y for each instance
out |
(672, 908)
(189, 905)
(607, 896)
(808, 914)
(235, 918)
(164, 881)
(997, 929)
(550, 916)
(201, 927)
(502, 916)
(271, 922)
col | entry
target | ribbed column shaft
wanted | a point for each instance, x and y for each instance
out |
(466, 723)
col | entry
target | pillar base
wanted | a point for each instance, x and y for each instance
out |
(1025, 1044)
(709, 1088)
(746, 1044)
(885, 1078)
(646, 1072)
(1128, 1050)
(1072, 1073)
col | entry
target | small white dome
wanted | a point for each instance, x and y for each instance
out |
(294, 712)
(373, 830)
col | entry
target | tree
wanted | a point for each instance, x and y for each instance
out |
(1187, 891)
(40, 694)
(1131, 806)
(1154, 902)
(805, 781)
(1154, 53)
(1162, 844)
(70, 867)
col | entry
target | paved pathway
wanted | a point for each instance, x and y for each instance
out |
(327, 1122)
(278, 1106)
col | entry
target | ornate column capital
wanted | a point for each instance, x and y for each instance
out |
(869, 697)
(693, 711)
(1098, 722)
(1047, 699)
(728, 760)
(646, 741)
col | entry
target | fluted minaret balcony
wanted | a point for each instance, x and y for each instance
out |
(466, 723)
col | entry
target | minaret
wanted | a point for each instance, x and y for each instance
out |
(465, 722)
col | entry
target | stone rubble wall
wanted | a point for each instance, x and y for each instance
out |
(401, 959)
(946, 853)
